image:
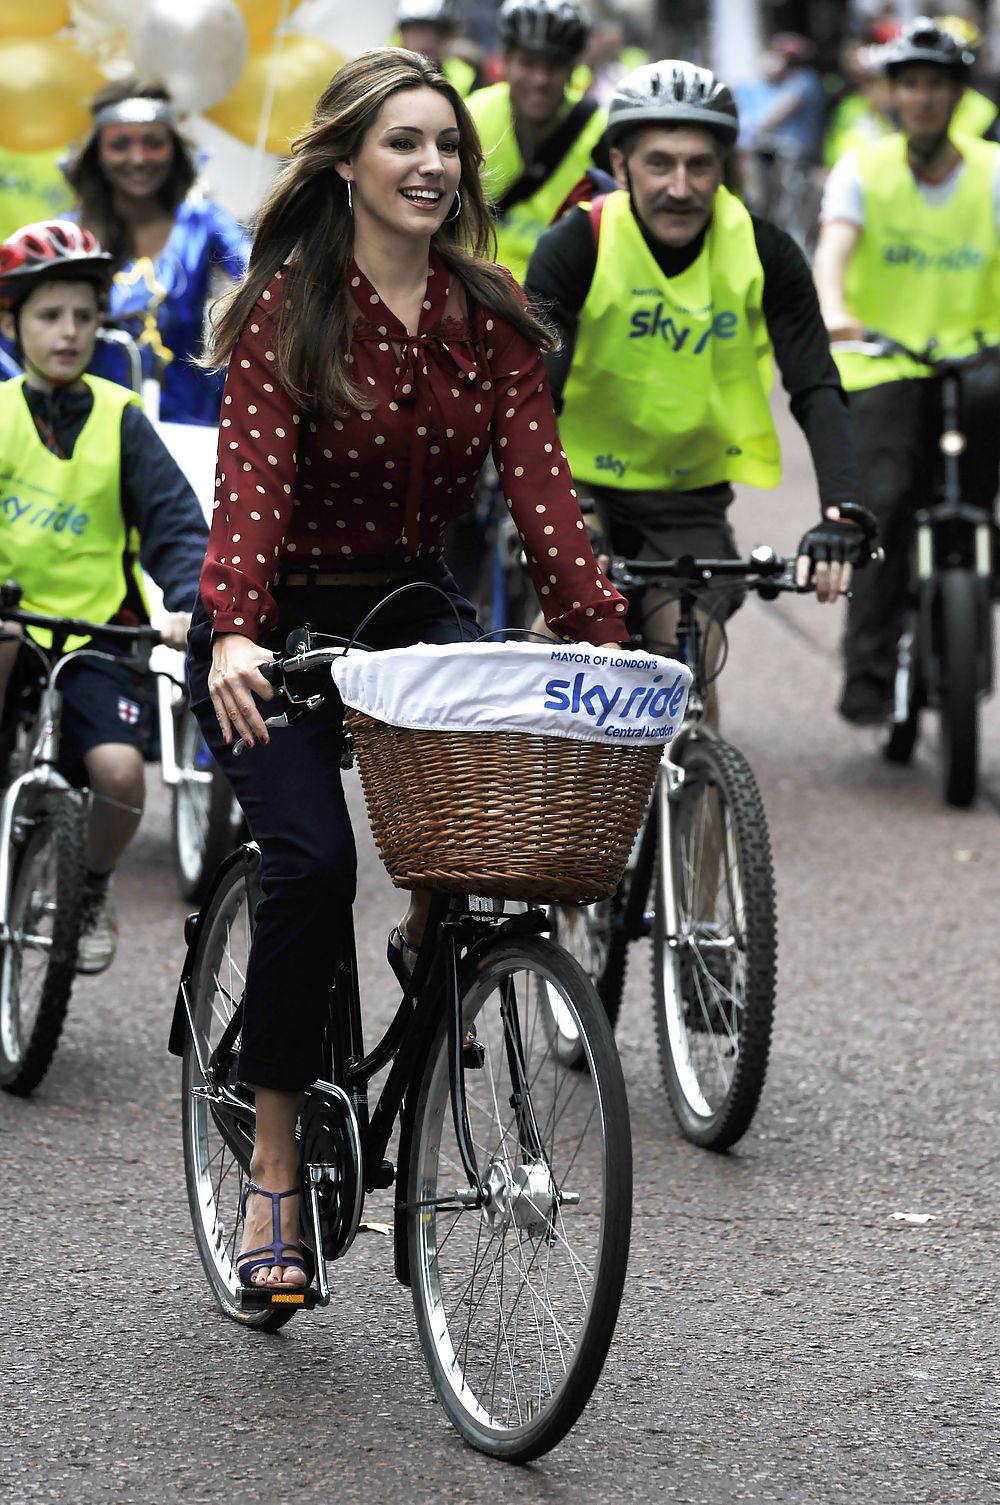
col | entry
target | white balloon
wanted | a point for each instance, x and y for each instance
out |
(197, 51)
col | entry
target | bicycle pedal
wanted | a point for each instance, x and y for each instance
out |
(473, 1055)
(258, 1298)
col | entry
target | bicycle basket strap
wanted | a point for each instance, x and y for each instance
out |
(569, 690)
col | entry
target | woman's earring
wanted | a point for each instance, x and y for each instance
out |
(350, 198)
(458, 209)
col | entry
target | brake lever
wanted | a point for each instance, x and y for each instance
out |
(286, 718)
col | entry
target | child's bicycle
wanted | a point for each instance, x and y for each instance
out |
(513, 1175)
(42, 826)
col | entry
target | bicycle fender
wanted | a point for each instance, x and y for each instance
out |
(247, 853)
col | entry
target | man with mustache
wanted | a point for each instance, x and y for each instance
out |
(671, 299)
(910, 247)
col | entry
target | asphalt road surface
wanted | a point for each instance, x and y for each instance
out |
(809, 1318)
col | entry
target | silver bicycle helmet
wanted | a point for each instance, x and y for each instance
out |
(924, 41)
(673, 93)
(443, 13)
(558, 28)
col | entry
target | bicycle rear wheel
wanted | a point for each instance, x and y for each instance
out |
(39, 960)
(516, 1301)
(714, 946)
(959, 657)
(218, 1114)
(591, 933)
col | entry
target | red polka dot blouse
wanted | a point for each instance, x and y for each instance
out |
(376, 489)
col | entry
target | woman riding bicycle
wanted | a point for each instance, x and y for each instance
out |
(375, 355)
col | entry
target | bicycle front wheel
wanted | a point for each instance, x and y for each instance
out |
(39, 960)
(218, 1122)
(959, 658)
(714, 946)
(516, 1299)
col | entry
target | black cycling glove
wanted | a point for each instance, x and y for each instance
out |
(846, 534)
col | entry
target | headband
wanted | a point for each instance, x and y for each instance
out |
(139, 111)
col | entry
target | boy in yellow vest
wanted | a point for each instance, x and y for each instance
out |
(81, 471)
(538, 135)
(910, 247)
(671, 300)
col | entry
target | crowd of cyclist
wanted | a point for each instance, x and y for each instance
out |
(666, 303)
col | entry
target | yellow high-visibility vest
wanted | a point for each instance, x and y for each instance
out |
(923, 271)
(63, 535)
(519, 229)
(669, 383)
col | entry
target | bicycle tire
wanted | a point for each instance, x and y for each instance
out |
(958, 656)
(46, 906)
(216, 1162)
(899, 738)
(592, 935)
(714, 1031)
(203, 830)
(555, 1283)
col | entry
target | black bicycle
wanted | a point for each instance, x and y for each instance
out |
(945, 653)
(513, 1175)
(42, 839)
(700, 882)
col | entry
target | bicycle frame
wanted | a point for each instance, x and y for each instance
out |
(453, 937)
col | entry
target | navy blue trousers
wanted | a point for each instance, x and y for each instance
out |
(293, 799)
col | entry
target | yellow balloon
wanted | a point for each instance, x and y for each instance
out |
(305, 67)
(263, 16)
(33, 18)
(44, 88)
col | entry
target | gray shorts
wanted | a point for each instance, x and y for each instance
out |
(667, 524)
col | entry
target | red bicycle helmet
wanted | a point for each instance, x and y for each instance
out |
(49, 249)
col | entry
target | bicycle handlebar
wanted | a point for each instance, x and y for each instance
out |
(881, 345)
(10, 611)
(764, 570)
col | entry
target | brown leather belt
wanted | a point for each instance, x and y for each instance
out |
(352, 577)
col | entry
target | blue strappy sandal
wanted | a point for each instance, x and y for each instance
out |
(268, 1255)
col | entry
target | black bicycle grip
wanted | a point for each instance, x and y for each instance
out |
(272, 671)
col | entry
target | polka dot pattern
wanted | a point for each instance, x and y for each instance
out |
(438, 399)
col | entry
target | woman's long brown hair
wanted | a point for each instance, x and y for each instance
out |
(306, 222)
(95, 197)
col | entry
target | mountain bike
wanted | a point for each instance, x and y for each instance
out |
(700, 882)
(512, 1181)
(945, 652)
(42, 844)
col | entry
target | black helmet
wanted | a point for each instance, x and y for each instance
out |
(924, 41)
(443, 13)
(673, 93)
(558, 28)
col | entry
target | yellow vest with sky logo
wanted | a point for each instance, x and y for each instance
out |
(669, 383)
(519, 230)
(63, 536)
(921, 271)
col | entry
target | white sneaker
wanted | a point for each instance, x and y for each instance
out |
(98, 934)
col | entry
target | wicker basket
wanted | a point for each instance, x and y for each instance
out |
(507, 815)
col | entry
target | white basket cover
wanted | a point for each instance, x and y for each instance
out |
(560, 689)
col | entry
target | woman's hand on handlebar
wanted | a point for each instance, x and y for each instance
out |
(233, 681)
